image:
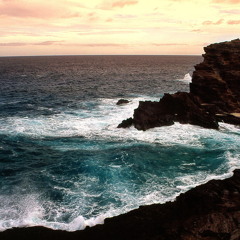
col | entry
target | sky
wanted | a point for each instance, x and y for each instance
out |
(103, 27)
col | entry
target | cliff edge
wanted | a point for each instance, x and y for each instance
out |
(214, 94)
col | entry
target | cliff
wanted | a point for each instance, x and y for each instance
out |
(214, 94)
(207, 212)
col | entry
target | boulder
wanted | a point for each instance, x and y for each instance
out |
(122, 101)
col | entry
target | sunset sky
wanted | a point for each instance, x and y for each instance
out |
(67, 27)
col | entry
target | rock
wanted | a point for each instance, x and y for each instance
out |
(214, 94)
(207, 212)
(126, 123)
(179, 107)
(122, 101)
(216, 80)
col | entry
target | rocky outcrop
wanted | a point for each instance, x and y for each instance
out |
(179, 107)
(207, 212)
(214, 94)
(122, 101)
(126, 123)
(216, 81)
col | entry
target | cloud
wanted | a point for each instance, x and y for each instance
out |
(108, 5)
(38, 9)
(169, 44)
(125, 16)
(19, 44)
(72, 15)
(47, 43)
(107, 32)
(233, 22)
(98, 45)
(227, 1)
(196, 30)
(13, 44)
(109, 20)
(213, 23)
(6, 33)
(122, 4)
(233, 11)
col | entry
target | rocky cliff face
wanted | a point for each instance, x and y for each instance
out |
(214, 94)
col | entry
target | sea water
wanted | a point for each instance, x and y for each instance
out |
(64, 164)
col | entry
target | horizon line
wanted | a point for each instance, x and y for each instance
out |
(75, 55)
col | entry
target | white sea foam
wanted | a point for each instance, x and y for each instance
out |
(20, 211)
(101, 123)
(186, 79)
(29, 211)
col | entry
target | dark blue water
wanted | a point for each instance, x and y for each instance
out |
(64, 163)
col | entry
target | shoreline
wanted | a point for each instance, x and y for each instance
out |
(210, 211)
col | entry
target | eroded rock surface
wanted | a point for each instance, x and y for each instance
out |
(214, 94)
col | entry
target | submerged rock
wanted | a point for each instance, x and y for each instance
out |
(214, 94)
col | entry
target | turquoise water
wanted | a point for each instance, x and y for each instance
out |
(64, 164)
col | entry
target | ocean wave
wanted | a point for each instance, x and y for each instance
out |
(101, 123)
(87, 169)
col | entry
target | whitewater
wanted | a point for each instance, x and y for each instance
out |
(64, 164)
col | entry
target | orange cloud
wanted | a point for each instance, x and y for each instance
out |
(107, 32)
(196, 30)
(117, 4)
(227, 1)
(18, 44)
(109, 20)
(48, 43)
(232, 11)
(26, 9)
(13, 44)
(233, 22)
(169, 44)
(98, 45)
(213, 23)
(71, 15)
(122, 4)
(125, 16)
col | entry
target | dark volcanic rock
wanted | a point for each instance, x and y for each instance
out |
(179, 107)
(217, 79)
(126, 123)
(214, 94)
(122, 101)
(207, 212)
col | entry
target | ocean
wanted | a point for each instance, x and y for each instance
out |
(64, 164)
